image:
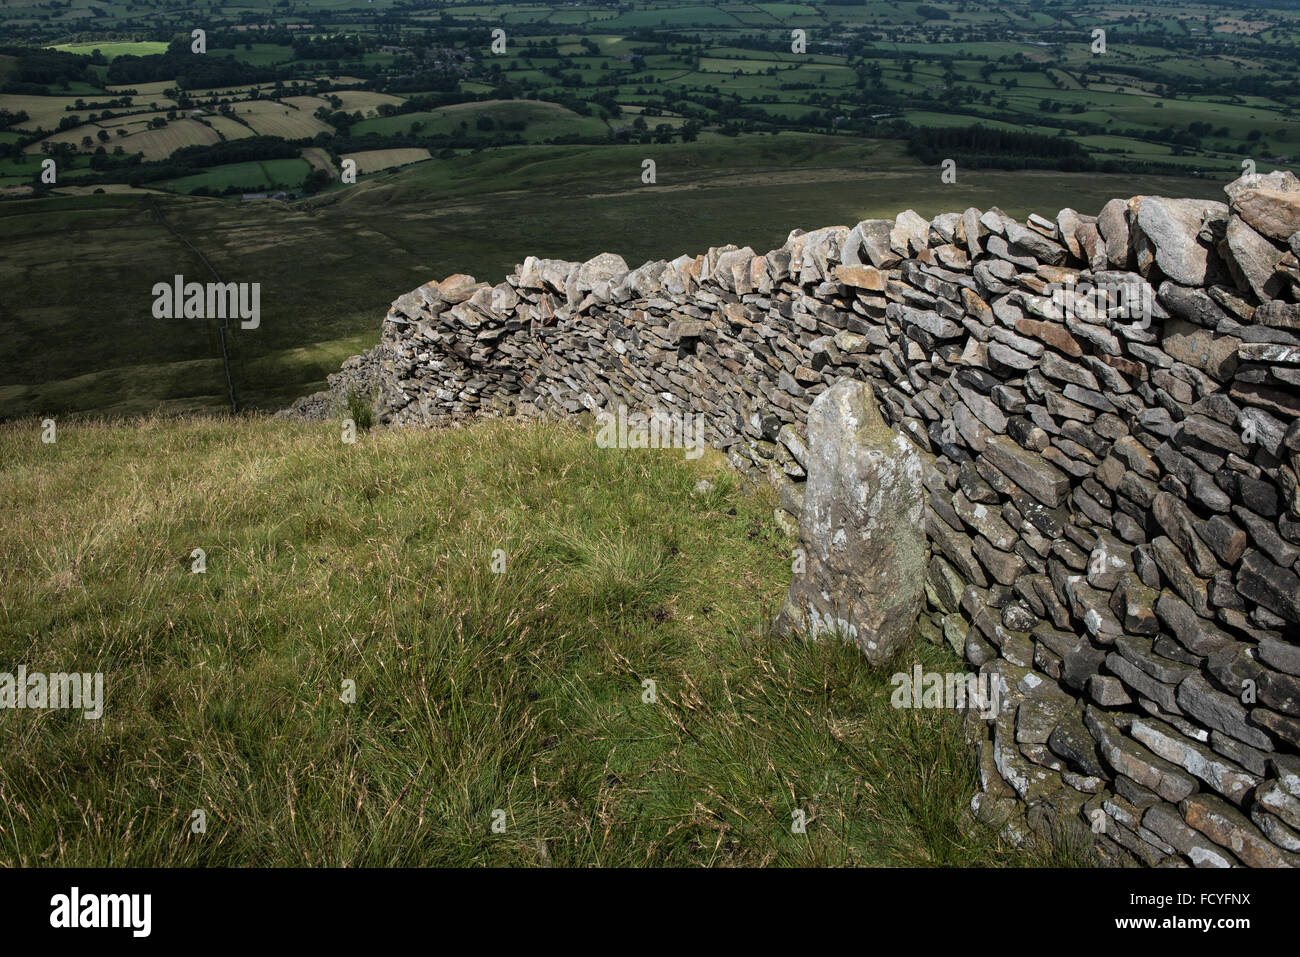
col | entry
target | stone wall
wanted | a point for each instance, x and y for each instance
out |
(1112, 473)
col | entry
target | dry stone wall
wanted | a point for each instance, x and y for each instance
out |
(1108, 411)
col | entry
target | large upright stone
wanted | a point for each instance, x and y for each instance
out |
(1256, 259)
(861, 533)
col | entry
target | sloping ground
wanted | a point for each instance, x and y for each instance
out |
(324, 297)
(153, 144)
(370, 161)
(522, 692)
(541, 120)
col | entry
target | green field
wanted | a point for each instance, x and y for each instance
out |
(265, 174)
(111, 49)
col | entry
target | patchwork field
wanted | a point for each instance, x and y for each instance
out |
(153, 144)
(582, 72)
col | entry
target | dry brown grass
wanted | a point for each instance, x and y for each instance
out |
(269, 118)
(371, 161)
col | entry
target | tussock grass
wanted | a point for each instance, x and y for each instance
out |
(475, 691)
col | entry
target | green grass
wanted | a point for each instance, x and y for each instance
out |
(475, 691)
(115, 48)
(541, 121)
(255, 175)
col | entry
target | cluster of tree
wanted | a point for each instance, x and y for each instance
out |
(641, 132)
(577, 104)
(81, 104)
(328, 48)
(427, 79)
(35, 70)
(233, 190)
(220, 38)
(189, 71)
(9, 118)
(931, 12)
(245, 150)
(979, 147)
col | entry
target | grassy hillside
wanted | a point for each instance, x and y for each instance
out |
(536, 122)
(520, 692)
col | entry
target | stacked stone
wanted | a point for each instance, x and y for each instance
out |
(1113, 505)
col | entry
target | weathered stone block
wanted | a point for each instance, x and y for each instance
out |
(861, 531)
